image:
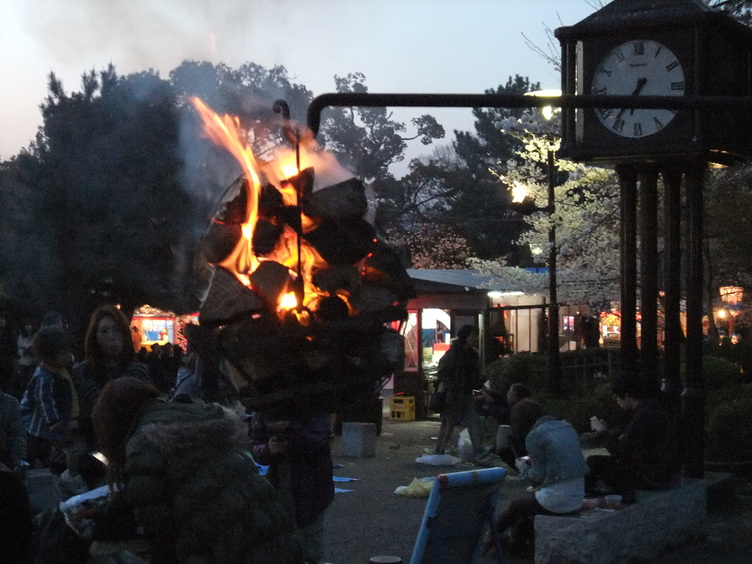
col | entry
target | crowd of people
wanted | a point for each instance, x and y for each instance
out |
(188, 472)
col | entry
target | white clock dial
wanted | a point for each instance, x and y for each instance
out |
(639, 67)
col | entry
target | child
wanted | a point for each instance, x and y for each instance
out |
(50, 405)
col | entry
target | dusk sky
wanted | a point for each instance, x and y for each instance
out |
(431, 46)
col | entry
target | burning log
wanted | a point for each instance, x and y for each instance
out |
(334, 342)
(342, 241)
(331, 279)
(343, 200)
(228, 299)
(270, 280)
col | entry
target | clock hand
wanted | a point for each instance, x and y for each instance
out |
(640, 85)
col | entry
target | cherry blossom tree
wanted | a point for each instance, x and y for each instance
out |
(585, 215)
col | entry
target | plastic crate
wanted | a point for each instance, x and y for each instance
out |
(402, 408)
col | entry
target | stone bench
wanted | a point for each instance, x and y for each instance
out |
(658, 521)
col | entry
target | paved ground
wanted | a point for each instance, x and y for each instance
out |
(372, 520)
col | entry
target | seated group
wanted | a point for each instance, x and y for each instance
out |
(644, 453)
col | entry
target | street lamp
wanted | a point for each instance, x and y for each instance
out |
(525, 205)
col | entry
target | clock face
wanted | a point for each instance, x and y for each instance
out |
(638, 67)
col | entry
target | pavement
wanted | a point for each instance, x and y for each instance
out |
(371, 520)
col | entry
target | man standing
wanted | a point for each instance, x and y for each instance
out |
(460, 375)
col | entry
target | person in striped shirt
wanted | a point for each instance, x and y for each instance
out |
(50, 407)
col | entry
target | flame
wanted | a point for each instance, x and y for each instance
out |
(288, 301)
(226, 132)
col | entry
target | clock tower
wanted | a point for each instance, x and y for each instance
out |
(656, 48)
(663, 48)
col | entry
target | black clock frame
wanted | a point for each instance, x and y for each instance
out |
(716, 55)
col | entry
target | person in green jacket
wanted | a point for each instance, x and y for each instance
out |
(186, 470)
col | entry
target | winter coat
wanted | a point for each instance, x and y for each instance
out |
(648, 445)
(459, 374)
(304, 469)
(197, 491)
(89, 385)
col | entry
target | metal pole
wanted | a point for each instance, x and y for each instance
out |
(628, 182)
(694, 391)
(672, 179)
(648, 226)
(553, 312)
(367, 99)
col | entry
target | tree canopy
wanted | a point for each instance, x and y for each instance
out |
(111, 200)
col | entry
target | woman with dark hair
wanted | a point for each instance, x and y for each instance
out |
(186, 470)
(108, 354)
(460, 375)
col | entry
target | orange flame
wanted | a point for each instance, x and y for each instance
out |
(226, 132)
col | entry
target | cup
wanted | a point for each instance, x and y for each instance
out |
(613, 501)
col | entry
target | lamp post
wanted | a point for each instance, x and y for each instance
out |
(523, 204)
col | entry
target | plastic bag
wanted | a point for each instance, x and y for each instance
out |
(465, 446)
(79, 511)
(417, 488)
(438, 460)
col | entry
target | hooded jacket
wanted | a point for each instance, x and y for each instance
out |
(197, 491)
(555, 452)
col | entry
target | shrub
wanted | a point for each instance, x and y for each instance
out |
(729, 431)
(530, 369)
(578, 410)
(719, 372)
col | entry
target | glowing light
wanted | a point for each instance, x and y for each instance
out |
(519, 192)
(546, 111)
(288, 301)
(289, 171)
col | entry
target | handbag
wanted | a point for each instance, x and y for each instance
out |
(437, 401)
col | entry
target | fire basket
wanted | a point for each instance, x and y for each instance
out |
(305, 302)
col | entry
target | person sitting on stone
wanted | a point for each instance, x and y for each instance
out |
(556, 469)
(645, 453)
(510, 439)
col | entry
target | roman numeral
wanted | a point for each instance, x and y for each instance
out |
(677, 86)
(657, 122)
(637, 130)
(601, 90)
(639, 48)
(672, 66)
(605, 112)
(619, 55)
(619, 125)
(657, 51)
(604, 71)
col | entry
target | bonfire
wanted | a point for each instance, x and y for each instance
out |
(306, 302)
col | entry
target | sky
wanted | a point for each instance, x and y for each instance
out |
(401, 46)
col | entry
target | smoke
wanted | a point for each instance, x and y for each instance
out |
(141, 34)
